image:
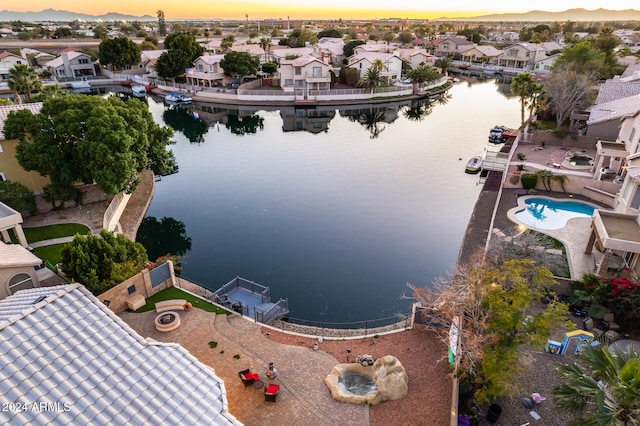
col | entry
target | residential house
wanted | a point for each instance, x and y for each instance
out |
(503, 37)
(254, 50)
(629, 38)
(330, 50)
(304, 74)
(65, 350)
(452, 46)
(481, 54)
(371, 48)
(148, 59)
(288, 53)
(415, 57)
(544, 65)
(604, 118)
(10, 169)
(551, 47)
(206, 71)
(7, 62)
(71, 65)
(392, 64)
(17, 264)
(521, 56)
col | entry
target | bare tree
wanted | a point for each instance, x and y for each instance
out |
(567, 90)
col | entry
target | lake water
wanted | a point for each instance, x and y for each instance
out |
(335, 209)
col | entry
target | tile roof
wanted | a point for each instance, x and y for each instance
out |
(62, 346)
(59, 61)
(614, 110)
(614, 89)
(34, 107)
(14, 256)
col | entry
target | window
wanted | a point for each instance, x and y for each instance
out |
(131, 289)
(301, 83)
(298, 70)
(317, 71)
(20, 282)
(200, 68)
(635, 202)
(288, 82)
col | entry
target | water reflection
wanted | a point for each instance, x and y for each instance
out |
(164, 236)
(186, 121)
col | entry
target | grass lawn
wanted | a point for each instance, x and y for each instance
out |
(50, 253)
(41, 233)
(175, 293)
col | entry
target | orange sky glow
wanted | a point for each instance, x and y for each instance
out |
(327, 9)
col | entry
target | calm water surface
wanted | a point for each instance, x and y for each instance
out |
(337, 221)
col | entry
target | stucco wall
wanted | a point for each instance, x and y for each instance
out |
(118, 295)
(7, 273)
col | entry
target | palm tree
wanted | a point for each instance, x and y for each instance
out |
(379, 66)
(226, 43)
(606, 391)
(524, 86)
(51, 91)
(23, 79)
(370, 80)
(265, 43)
(443, 63)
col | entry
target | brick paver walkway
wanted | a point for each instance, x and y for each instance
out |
(303, 398)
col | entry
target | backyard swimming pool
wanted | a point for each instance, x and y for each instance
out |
(546, 213)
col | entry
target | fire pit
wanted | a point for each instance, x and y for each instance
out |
(167, 321)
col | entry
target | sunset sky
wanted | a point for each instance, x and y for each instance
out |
(324, 9)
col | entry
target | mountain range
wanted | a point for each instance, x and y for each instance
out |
(66, 16)
(575, 15)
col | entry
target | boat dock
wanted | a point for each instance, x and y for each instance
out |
(251, 300)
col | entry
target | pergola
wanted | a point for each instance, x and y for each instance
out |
(11, 219)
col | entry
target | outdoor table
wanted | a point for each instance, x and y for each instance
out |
(258, 384)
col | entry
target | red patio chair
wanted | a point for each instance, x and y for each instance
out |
(271, 393)
(247, 377)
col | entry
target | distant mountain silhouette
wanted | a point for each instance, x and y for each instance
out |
(66, 16)
(575, 15)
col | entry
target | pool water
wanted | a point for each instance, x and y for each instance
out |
(544, 213)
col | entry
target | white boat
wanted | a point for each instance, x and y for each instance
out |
(138, 91)
(495, 134)
(177, 99)
(474, 165)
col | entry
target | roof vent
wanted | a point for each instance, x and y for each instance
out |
(39, 299)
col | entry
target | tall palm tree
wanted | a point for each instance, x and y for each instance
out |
(524, 86)
(379, 66)
(370, 80)
(23, 79)
(51, 91)
(605, 391)
(443, 63)
(265, 43)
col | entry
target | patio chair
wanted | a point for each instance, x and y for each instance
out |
(590, 326)
(609, 320)
(247, 377)
(271, 393)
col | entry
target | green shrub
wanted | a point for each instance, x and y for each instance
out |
(529, 180)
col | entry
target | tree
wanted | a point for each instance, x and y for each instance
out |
(119, 52)
(270, 68)
(101, 262)
(162, 25)
(239, 64)
(77, 138)
(17, 196)
(186, 43)
(100, 32)
(23, 79)
(227, 43)
(265, 43)
(443, 63)
(604, 389)
(583, 57)
(332, 32)
(50, 91)
(347, 50)
(299, 38)
(495, 308)
(405, 37)
(388, 37)
(371, 79)
(423, 74)
(567, 90)
(524, 86)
